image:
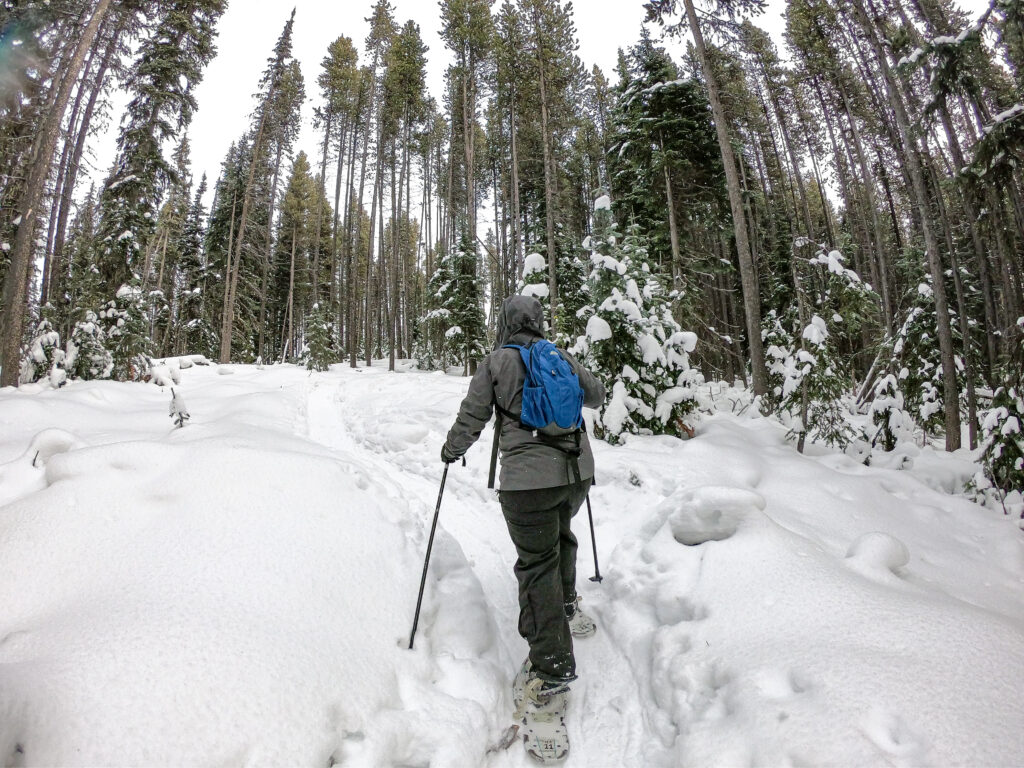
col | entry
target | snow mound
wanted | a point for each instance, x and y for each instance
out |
(879, 551)
(711, 513)
(26, 474)
(49, 443)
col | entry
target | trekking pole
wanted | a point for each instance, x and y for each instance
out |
(593, 542)
(426, 561)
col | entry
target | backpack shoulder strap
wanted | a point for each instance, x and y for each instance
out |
(524, 354)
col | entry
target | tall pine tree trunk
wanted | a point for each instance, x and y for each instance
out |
(748, 275)
(71, 178)
(268, 258)
(12, 318)
(227, 326)
(950, 390)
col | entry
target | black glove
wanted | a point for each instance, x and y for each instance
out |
(446, 456)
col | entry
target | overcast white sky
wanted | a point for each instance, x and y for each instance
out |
(249, 28)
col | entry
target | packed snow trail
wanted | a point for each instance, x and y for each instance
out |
(241, 590)
(402, 429)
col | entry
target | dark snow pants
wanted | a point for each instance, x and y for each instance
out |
(538, 521)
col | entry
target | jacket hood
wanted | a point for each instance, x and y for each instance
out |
(519, 316)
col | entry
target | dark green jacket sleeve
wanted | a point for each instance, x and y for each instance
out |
(474, 413)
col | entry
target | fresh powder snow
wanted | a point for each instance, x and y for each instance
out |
(241, 590)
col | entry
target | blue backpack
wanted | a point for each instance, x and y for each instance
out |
(552, 395)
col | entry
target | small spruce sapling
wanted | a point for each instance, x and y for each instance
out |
(892, 422)
(916, 346)
(127, 331)
(1001, 479)
(43, 358)
(320, 340)
(88, 356)
(177, 409)
(816, 387)
(778, 344)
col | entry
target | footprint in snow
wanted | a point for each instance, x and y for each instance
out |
(672, 608)
(780, 684)
(710, 513)
(892, 735)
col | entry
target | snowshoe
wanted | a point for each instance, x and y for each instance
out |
(545, 736)
(580, 624)
(540, 708)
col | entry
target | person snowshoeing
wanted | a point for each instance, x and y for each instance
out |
(544, 480)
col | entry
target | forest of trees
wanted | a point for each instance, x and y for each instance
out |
(838, 224)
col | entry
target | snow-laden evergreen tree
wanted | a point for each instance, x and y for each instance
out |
(81, 291)
(811, 378)
(320, 339)
(812, 393)
(44, 359)
(126, 328)
(1001, 480)
(459, 298)
(778, 352)
(430, 350)
(177, 409)
(916, 347)
(88, 356)
(891, 421)
(632, 342)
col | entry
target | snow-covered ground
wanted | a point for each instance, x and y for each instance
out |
(240, 591)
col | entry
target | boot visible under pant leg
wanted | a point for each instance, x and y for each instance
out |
(538, 522)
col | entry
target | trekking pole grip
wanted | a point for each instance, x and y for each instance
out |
(426, 560)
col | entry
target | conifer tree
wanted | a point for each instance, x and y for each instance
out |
(280, 88)
(44, 358)
(890, 419)
(194, 332)
(291, 281)
(88, 356)
(169, 66)
(659, 9)
(30, 193)
(632, 342)
(466, 335)
(321, 351)
(125, 326)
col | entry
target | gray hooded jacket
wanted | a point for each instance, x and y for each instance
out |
(527, 463)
